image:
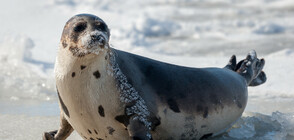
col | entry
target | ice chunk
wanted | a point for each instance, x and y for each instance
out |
(22, 77)
(270, 28)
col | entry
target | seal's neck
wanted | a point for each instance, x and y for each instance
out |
(66, 62)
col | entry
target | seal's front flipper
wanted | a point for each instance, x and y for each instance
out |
(63, 132)
(251, 68)
(137, 130)
(232, 63)
(49, 135)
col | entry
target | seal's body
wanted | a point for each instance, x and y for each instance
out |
(110, 94)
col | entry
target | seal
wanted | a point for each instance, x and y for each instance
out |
(105, 93)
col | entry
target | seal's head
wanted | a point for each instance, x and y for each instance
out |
(85, 34)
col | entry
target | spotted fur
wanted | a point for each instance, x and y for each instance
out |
(113, 94)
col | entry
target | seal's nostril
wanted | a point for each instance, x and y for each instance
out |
(95, 37)
(99, 39)
(102, 41)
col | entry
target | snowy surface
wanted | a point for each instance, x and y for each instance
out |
(192, 33)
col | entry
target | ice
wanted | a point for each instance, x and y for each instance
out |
(270, 28)
(255, 126)
(286, 53)
(21, 77)
(146, 27)
(150, 27)
(19, 127)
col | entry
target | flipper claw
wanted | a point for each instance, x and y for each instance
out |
(250, 68)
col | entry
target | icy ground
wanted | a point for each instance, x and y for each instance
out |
(192, 33)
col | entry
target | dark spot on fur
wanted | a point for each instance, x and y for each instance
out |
(239, 104)
(203, 126)
(173, 105)
(205, 113)
(92, 139)
(64, 44)
(124, 119)
(110, 130)
(165, 111)
(97, 74)
(90, 131)
(85, 137)
(206, 136)
(73, 74)
(76, 51)
(155, 122)
(136, 138)
(99, 139)
(95, 131)
(83, 67)
(64, 108)
(74, 37)
(101, 111)
(106, 57)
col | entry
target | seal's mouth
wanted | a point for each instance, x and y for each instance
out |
(94, 41)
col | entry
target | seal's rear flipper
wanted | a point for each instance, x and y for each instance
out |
(260, 79)
(251, 69)
(239, 65)
(232, 63)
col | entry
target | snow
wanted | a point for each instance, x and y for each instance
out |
(189, 33)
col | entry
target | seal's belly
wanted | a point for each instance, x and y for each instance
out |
(97, 120)
(192, 125)
(92, 103)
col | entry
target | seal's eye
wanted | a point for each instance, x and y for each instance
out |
(80, 27)
(100, 26)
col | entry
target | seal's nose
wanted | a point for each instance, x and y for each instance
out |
(95, 37)
(98, 38)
